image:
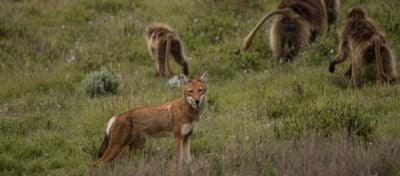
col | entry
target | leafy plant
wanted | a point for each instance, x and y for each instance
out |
(100, 83)
(326, 120)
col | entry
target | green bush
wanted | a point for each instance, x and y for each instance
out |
(325, 120)
(100, 83)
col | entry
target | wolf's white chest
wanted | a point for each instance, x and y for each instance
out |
(188, 127)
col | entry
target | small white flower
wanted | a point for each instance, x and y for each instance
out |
(72, 59)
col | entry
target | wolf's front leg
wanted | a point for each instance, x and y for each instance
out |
(178, 149)
(186, 149)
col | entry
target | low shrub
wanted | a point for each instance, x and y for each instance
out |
(100, 83)
(334, 116)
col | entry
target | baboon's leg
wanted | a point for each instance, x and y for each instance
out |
(357, 69)
(344, 50)
(348, 72)
(389, 66)
(297, 43)
(153, 55)
(186, 149)
(292, 52)
(169, 71)
(277, 41)
(137, 144)
(167, 56)
(161, 58)
(177, 52)
(313, 36)
(119, 138)
(151, 51)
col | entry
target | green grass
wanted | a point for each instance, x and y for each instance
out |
(262, 118)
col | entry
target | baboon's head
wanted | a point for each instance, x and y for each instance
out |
(356, 13)
(194, 91)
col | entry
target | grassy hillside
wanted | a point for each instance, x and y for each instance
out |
(262, 118)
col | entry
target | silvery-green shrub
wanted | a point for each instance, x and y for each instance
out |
(100, 83)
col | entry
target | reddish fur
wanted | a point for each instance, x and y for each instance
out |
(368, 46)
(134, 126)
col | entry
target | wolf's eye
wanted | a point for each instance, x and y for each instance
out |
(190, 91)
(200, 90)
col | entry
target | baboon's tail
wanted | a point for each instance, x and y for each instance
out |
(249, 38)
(103, 146)
(379, 61)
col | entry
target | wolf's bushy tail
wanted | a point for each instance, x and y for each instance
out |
(103, 146)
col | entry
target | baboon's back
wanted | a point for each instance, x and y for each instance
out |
(311, 10)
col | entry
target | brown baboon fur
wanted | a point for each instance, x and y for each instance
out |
(162, 41)
(333, 10)
(368, 45)
(298, 23)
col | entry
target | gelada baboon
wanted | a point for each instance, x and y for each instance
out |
(333, 10)
(162, 41)
(368, 46)
(298, 23)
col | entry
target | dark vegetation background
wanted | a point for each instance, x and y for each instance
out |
(262, 118)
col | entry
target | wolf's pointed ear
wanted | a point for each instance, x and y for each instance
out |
(204, 77)
(184, 79)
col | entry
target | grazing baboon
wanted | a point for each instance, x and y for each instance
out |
(162, 41)
(298, 23)
(368, 46)
(333, 10)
